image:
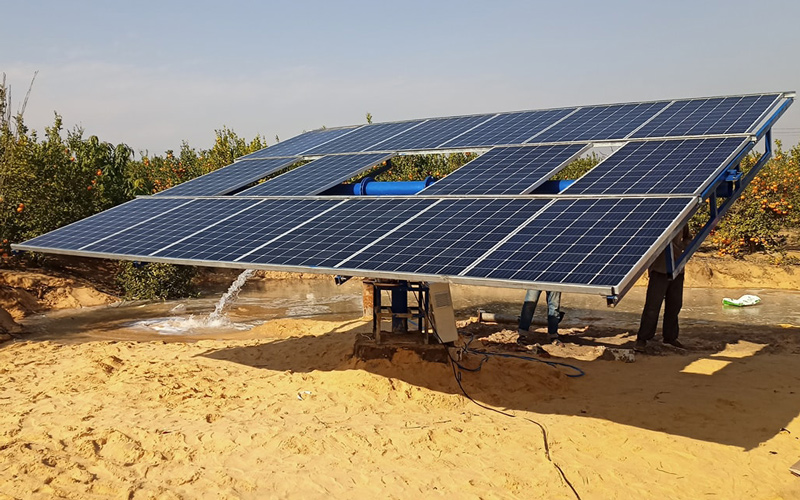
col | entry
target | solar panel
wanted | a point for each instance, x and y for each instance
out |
(596, 237)
(298, 144)
(600, 123)
(246, 231)
(430, 134)
(720, 115)
(317, 176)
(363, 138)
(506, 170)
(104, 224)
(229, 179)
(583, 241)
(677, 167)
(339, 233)
(154, 234)
(447, 238)
(508, 128)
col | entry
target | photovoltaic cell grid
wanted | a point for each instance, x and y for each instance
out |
(688, 117)
(122, 217)
(721, 115)
(600, 123)
(363, 138)
(298, 144)
(583, 241)
(505, 170)
(508, 128)
(447, 238)
(228, 179)
(339, 233)
(154, 234)
(677, 167)
(430, 134)
(246, 231)
(317, 176)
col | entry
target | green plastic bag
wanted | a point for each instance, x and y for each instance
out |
(743, 301)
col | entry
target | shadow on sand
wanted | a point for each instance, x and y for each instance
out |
(755, 391)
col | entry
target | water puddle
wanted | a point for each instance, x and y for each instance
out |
(213, 317)
(260, 301)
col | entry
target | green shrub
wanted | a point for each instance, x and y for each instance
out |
(768, 207)
(156, 281)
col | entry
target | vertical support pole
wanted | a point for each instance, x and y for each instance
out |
(376, 312)
(400, 306)
(367, 298)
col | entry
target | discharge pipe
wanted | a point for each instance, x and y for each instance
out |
(370, 187)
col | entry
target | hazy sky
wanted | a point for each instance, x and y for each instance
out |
(151, 74)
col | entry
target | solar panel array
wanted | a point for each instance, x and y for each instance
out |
(660, 167)
(459, 237)
(506, 170)
(228, 179)
(317, 176)
(477, 225)
(588, 241)
(300, 144)
(721, 115)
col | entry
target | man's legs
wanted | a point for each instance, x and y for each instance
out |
(528, 308)
(672, 307)
(656, 289)
(553, 314)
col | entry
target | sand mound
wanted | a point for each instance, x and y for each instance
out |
(23, 293)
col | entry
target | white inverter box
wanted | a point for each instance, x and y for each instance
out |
(443, 315)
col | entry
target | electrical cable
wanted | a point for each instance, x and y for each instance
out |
(457, 376)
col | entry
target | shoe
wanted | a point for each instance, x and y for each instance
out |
(640, 345)
(675, 343)
(556, 340)
(525, 340)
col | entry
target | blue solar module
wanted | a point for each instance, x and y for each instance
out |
(677, 167)
(447, 238)
(584, 241)
(246, 231)
(228, 179)
(298, 144)
(154, 234)
(337, 234)
(363, 138)
(508, 128)
(105, 224)
(317, 176)
(600, 123)
(720, 115)
(430, 134)
(506, 170)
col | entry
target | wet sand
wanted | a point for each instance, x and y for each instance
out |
(283, 411)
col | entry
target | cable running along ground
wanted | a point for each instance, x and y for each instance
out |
(457, 376)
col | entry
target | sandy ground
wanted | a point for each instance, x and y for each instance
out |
(290, 414)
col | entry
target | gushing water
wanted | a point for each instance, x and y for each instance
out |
(217, 317)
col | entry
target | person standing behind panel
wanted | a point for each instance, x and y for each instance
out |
(553, 316)
(662, 289)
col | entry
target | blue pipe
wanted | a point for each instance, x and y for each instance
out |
(370, 187)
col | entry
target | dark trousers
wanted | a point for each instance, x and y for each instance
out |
(661, 289)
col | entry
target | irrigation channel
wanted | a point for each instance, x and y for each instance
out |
(248, 304)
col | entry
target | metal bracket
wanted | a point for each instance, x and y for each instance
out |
(717, 212)
(341, 280)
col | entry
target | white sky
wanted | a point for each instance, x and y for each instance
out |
(152, 74)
